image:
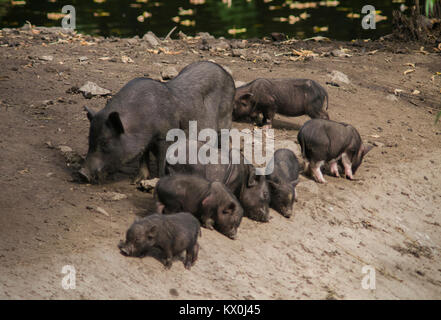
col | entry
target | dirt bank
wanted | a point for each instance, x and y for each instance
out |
(389, 218)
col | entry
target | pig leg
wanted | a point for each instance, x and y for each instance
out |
(168, 258)
(316, 172)
(160, 207)
(347, 165)
(162, 151)
(143, 172)
(268, 116)
(334, 168)
(191, 256)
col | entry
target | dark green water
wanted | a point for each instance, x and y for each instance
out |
(259, 17)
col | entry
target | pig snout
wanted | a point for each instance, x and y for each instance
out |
(125, 248)
(92, 171)
(84, 173)
(232, 235)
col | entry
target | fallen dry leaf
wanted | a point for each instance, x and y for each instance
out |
(415, 92)
(409, 64)
(422, 51)
(408, 71)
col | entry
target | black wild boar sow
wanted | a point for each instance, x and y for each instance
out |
(240, 178)
(211, 202)
(329, 141)
(289, 97)
(136, 120)
(283, 181)
(172, 234)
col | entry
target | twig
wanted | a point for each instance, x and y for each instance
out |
(169, 34)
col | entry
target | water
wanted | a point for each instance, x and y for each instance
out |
(249, 18)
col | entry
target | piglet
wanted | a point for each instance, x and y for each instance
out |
(330, 141)
(283, 181)
(173, 234)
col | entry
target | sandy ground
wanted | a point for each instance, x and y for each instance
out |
(389, 218)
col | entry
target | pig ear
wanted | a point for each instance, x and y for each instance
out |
(230, 209)
(245, 97)
(208, 201)
(153, 230)
(366, 148)
(90, 113)
(114, 122)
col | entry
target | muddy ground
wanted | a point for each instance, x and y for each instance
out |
(389, 218)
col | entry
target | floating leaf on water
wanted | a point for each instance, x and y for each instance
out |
(146, 14)
(234, 31)
(343, 9)
(196, 2)
(353, 15)
(272, 8)
(101, 14)
(293, 19)
(142, 1)
(135, 5)
(320, 29)
(398, 1)
(304, 15)
(329, 3)
(55, 15)
(99, 1)
(188, 23)
(183, 12)
(176, 19)
(379, 17)
(140, 18)
(18, 3)
(300, 5)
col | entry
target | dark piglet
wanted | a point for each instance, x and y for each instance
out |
(136, 120)
(172, 234)
(283, 181)
(289, 97)
(211, 202)
(240, 178)
(329, 141)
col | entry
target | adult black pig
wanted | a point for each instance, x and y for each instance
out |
(240, 178)
(211, 202)
(330, 141)
(173, 234)
(289, 97)
(136, 120)
(283, 181)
